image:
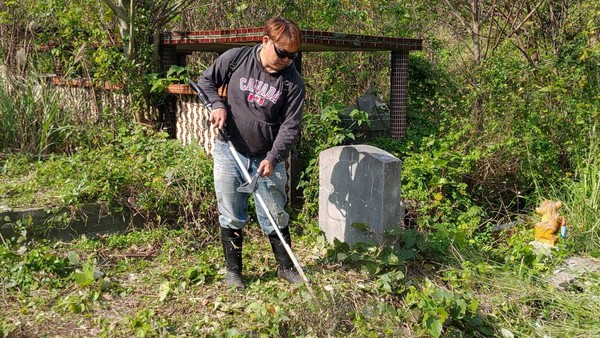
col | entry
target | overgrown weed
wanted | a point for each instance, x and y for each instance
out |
(143, 171)
(582, 198)
(31, 117)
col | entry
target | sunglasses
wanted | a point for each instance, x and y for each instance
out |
(284, 54)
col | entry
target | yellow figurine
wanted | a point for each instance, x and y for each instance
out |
(552, 222)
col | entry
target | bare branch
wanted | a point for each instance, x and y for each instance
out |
(168, 14)
(457, 16)
(489, 14)
(533, 11)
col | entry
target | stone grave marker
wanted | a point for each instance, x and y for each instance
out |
(359, 194)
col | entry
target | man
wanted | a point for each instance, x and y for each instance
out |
(261, 114)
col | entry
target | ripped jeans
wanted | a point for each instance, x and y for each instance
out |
(233, 205)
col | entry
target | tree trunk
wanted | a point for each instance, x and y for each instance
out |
(124, 30)
(123, 10)
(475, 31)
(156, 49)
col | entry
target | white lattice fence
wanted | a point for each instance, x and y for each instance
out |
(192, 123)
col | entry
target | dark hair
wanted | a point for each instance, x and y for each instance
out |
(283, 32)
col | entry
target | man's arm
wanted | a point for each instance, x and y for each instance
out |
(290, 128)
(211, 79)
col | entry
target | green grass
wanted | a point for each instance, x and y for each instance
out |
(165, 282)
(166, 279)
(162, 281)
(157, 178)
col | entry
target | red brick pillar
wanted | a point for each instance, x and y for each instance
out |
(398, 93)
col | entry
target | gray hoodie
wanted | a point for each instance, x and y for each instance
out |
(262, 117)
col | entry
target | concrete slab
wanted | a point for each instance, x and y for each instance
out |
(66, 223)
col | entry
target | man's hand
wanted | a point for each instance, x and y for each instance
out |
(265, 168)
(218, 117)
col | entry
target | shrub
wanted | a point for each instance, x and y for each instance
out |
(160, 179)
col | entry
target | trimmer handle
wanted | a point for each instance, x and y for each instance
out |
(204, 99)
(201, 94)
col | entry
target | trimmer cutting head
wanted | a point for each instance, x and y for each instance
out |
(249, 187)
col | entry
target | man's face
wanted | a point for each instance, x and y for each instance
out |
(276, 57)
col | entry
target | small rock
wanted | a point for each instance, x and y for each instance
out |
(583, 264)
(98, 274)
(565, 276)
(543, 248)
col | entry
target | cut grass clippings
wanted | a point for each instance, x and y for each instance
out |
(165, 282)
(160, 282)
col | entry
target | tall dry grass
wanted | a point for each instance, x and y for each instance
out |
(32, 119)
(582, 197)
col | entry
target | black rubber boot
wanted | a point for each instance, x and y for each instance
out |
(286, 269)
(232, 248)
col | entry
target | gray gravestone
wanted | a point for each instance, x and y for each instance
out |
(359, 188)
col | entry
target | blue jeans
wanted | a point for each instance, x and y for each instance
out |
(233, 205)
